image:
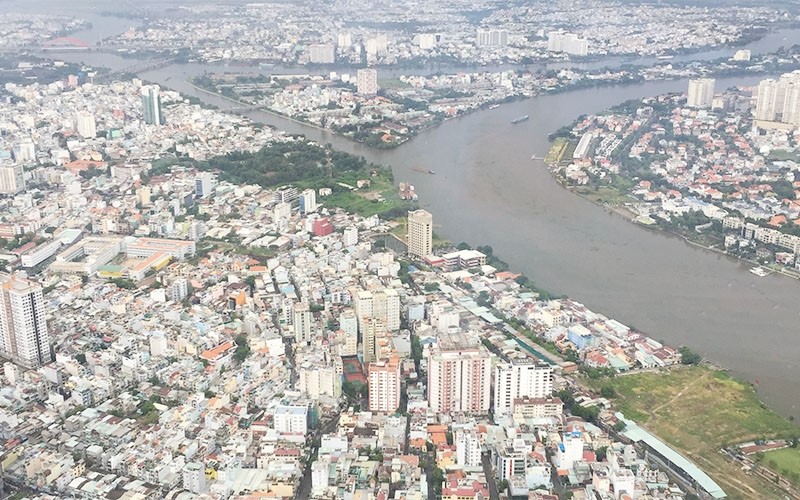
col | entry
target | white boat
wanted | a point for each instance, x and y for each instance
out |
(759, 271)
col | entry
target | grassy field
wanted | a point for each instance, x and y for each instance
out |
(557, 150)
(698, 411)
(782, 154)
(603, 194)
(785, 462)
(380, 197)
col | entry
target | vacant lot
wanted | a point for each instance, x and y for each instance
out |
(698, 411)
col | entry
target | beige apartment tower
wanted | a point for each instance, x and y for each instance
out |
(420, 233)
(700, 93)
(778, 102)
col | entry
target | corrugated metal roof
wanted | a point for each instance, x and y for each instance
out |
(636, 434)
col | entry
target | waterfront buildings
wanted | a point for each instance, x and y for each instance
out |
(322, 53)
(700, 93)
(570, 43)
(778, 102)
(367, 81)
(420, 233)
(491, 38)
(24, 336)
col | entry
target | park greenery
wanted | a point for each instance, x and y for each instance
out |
(306, 165)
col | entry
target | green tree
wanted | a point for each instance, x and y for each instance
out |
(242, 348)
(688, 357)
(608, 392)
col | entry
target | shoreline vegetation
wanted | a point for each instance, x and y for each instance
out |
(614, 197)
(387, 135)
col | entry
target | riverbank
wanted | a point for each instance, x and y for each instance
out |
(700, 411)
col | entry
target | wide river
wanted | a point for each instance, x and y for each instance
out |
(487, 190)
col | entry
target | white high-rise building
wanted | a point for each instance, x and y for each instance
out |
(315, 380)
(24, 151)
(303, 319)
(308, 201)
(194, 477)
(420, 233)
(364, 309)
(85, 125)
(491, 38)
(386, 306)
(24, 337)
(570, 450)
(348, 323)
(291, 419)
(322, 53)
(344, 40)
(204, 184)
(468, 448)
(151, 105)
(367, 81)
(428, 41)
(381, 304)
(570, 43)
(700, 93)
(373, 329)
(179, 289)
(520, 378)
(384, 385)
(459, 375)
(12, 179)
(778, 102)
(350, 236)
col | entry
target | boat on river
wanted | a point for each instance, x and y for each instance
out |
(519, 120)
(759, 271)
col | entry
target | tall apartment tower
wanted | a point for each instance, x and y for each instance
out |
(302, 319)
(85, 125)
(204, 184)
(367, 81)
(12, 179)
(420, 233)
(384, 385)
(700, 93)
(151, 105)
(373, 329)
(23, 330)
(308, 201)
(459, 376)
(520, 378)
(348, 323)
(778, 102)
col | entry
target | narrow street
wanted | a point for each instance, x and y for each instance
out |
(491, 482)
